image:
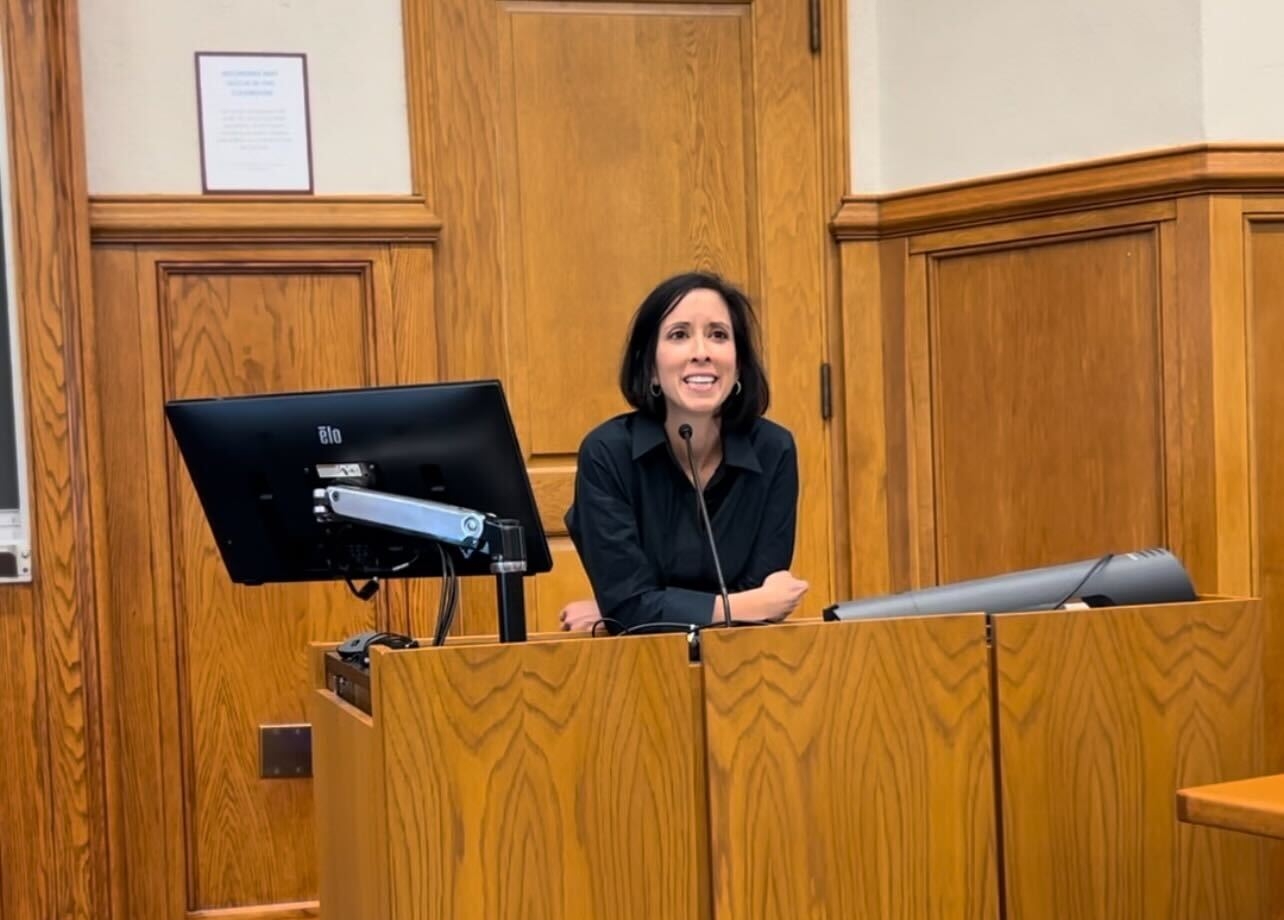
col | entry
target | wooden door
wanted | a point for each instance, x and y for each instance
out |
(194, 667)
(580, 153)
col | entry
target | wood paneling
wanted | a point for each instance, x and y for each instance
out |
(1210, 500)
(193, 664)
(192, 219)
(1103, 715)
(866, 431)
(53, 854)
(537, 265)
(570, 789)
(1014, 332)
(229, 331)
(850, 770)
(1177, 171)
(348, 790)
(1251, 806)
(1072, 360)
(1265, 295)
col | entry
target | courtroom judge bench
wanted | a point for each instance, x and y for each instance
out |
(961, 766)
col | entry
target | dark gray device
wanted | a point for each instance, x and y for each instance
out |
(1148, 576)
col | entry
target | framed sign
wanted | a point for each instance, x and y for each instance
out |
(254, 124)
(15, 533)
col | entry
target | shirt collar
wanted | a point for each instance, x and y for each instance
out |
(737, 449)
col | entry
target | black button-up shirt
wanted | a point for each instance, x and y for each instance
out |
(636, 525)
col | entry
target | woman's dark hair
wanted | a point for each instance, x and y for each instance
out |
(638, 368)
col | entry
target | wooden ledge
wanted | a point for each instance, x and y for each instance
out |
(166, 219)
(1252, 806)
(1118, 180)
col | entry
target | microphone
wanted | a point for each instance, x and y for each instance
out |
(684, 432)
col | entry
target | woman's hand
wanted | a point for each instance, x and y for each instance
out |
(782, 593)
(778, 597)
(580, 616)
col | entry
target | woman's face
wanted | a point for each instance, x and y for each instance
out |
(695, 356)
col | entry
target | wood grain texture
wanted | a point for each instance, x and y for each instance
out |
(536, 265)
(1039, 368)
(1166, 173)
(1103, 715)
(1251, 806)
(53, 852)
(136, 626)
(192, 826)
(1207, 382)
(835, 177)
(174, 219)
(351, 819)
(230, 331)
(850, 770)
(867, 427)
(1212, 280)
(1264, 252)
(548, 780)
(300, 910)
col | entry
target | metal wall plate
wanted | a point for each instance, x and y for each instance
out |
(285, 751)
(15, 562)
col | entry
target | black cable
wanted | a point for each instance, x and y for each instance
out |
(1096, 566)
(366, 591)
(448, 601)
(660, 626)
(452, 608)
(602, 621)
(371, 587)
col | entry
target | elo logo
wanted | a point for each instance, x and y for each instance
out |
(329, 435)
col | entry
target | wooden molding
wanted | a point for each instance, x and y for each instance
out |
(162, 219)
(53, 790)
(296, 910)
(1197, 169)
(417, 32)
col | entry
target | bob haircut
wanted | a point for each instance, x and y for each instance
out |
(739, 410)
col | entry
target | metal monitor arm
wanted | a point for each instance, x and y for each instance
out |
(472, 531)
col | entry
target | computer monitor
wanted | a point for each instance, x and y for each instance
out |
(270, 471)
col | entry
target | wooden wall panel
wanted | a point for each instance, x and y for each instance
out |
(193, 665)
(537, 265)
(632, 211)
(1047, 402)
(1164, 275)
(1102, 716)
(850, 770)
(1265, 275)
(228, 331)
(53, 853)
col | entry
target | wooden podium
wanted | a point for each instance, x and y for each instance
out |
(547, 779)
(1017, 766)
(850, 771)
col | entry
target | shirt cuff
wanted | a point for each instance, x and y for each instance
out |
(682, 605)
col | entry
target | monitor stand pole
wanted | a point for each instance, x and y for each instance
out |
(508, 562)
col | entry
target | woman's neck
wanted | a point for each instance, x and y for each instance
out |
(706, 440)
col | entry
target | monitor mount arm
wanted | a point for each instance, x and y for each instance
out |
(472, 531)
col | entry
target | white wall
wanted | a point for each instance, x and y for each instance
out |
(990, 86)
(140, 88)
(1243, 69)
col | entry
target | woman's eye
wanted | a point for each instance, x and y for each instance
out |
(720, 334)
(677, 334)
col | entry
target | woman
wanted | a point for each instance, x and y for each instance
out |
(691, 360)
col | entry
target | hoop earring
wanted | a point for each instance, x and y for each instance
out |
(738, 388)
(655, 390)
